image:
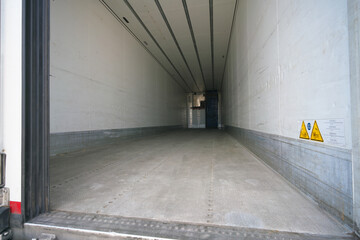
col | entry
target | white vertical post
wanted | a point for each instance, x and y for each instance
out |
(354, 48)
(11, 92)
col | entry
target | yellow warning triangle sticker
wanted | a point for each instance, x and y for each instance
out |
(303, 133)
(315, 134)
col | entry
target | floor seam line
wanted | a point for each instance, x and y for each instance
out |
(210, 212)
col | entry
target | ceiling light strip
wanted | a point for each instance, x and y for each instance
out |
(211, 9)
(152, 37)
(228, 46)
(142, 44)
(193, 39)
(175, 40)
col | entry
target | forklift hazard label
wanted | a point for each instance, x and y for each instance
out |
(315, 134)
(303, 132)
(310, 130)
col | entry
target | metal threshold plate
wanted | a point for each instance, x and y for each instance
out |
(105, 226)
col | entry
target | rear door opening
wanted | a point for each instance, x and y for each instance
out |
(144, 132)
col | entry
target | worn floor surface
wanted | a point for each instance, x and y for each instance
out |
(195, 176)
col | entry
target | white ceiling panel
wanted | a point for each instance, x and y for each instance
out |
(165, 26)
(176, 16)
(150, 15)
(200, 18)
(121, 10)
(222, 28)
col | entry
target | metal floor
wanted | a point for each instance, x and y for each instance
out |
(192, 176)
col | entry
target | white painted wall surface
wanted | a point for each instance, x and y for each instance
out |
(198, 118)
(288, 61)
(195, 117)
(1, 92)
(102, 78)
(11, 92)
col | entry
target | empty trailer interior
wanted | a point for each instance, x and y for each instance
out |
(116, 92)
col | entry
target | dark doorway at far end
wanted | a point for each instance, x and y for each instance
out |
(211, 98)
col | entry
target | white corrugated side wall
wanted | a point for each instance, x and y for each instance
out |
(102, 78)
(288, 62)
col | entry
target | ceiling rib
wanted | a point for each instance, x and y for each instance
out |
(228, 46)
(157, 44)
(211, 9)
(129, 30)
(193, 38)
(175, 40)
